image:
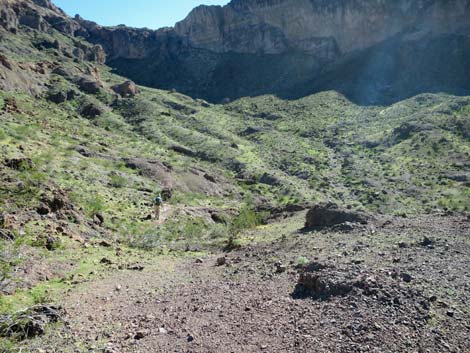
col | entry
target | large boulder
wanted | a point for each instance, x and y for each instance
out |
(89, 85)
(5, 62)
(92, 110)
(329, 215)
(57, 96)
(126, 89)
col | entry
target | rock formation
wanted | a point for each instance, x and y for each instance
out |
(366, 49)
(324, 28)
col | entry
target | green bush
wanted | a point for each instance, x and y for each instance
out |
(302, 261)
(247, 218)
(117, 181)
(144, 236)
(95, 204)
(24, 132)
(111, 122)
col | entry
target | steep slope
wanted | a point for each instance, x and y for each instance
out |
(83, 151)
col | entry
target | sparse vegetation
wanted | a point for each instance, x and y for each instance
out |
(79, 172)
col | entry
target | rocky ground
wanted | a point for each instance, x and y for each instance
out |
(399, 286)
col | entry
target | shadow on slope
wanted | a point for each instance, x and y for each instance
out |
(399, 68)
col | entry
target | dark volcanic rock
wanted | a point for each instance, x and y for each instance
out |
(19, 163)
(328, 215)
(183, 150)
(8, 18)
(150, 168)
(57, 97)
(88, 85)
(324, 281)
(92, 110)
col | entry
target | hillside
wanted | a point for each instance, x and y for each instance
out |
(84, 151)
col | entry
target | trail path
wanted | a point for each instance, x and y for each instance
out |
(183, 304)
(166, 212)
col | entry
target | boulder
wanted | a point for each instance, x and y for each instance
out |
(89, 85)
(329, 215)
(5, 62)
(150, 168)
(57, 97)
(30, 322)
(167, 193)
(126, 89)
(47, 44)
(323, 281)
(44, 3)
(96, 54)
(65, 72)
(183, 150)
(221, 261)
(92, 110)
(19, 163)
(269, 180)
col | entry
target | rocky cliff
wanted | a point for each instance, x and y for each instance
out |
(286, 47)
(317, 27)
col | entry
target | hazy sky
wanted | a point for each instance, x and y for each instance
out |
(134, 13)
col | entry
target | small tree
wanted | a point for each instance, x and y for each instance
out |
(248, 218)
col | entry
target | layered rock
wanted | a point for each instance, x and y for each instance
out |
(317, 27)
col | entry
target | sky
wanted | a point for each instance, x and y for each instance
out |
(134, 13)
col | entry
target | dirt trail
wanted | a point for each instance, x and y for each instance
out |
(249, 305)
(168, 211)
(165, 213)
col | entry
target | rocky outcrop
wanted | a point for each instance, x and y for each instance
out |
(316, 27)
(126, 89)
(373, 51)
(40, 15)
(8, 18)
(329, 215)
(365, 49)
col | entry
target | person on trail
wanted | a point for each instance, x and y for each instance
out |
(158, 203)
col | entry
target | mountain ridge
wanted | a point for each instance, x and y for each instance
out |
(288, 48)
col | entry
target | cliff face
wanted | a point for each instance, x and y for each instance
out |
(317, 27)
(252, 47)
(366, 49)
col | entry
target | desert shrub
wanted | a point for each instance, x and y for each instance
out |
(94, 204)
(117, 181)
(247, 218)
(111, 122)
(143, 236)
(459, 202)
(302, 261)
(24, 132)
(132, 108)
